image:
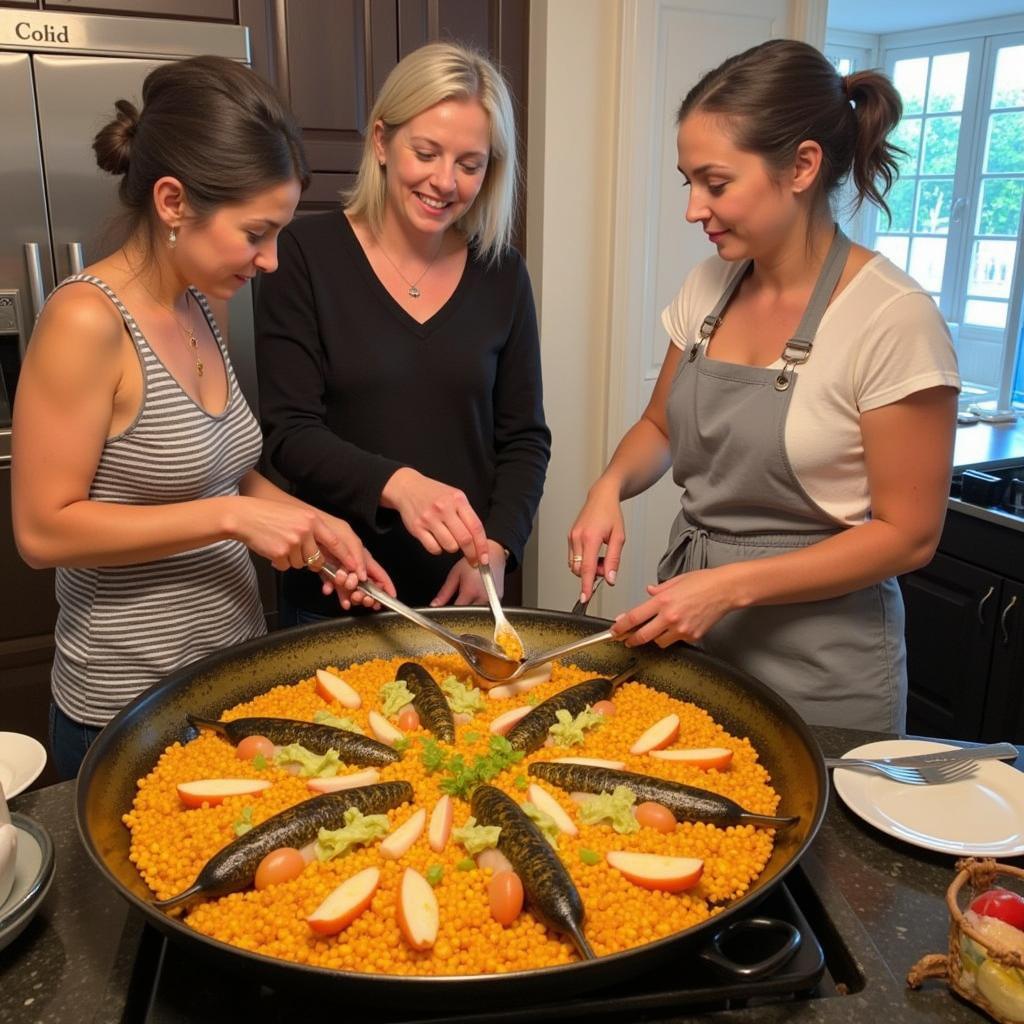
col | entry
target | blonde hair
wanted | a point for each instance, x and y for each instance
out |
(426, 77)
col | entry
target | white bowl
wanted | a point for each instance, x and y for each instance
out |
(33, 875)
(21, 760)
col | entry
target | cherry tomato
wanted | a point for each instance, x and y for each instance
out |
(253, 745)
(656, 816)
(505, 892)
(605, 708)
(279, 866)
(408, 718)
(1001, 903)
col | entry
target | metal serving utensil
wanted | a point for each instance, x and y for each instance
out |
(911, 775)
(486, 659)
(505, 635)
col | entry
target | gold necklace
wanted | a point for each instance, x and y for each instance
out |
(414, 292)
(191, 341)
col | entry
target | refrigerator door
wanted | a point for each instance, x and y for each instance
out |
(76, 98)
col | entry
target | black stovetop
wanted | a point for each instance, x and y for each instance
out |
(789, 927)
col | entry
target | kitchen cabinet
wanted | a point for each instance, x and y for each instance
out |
(193, 10)
(965, 634)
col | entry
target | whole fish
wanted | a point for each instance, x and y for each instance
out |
(530, 732)
(429, 700)
(352, 747)
(234, 867)
(553, 897)
(687, 803)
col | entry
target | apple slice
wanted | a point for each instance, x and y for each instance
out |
(216, 791)
(504, 722)
(345, 903)
(334, 688)
(366, 777)
(594, 762)
(384, 730)
(544, 801)
(701, 757)
(661, 734)
(656, 871)
(440, 824)
(418, 914)
(527, 681)
(396, 843)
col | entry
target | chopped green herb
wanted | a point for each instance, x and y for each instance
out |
(244, 823)
(464, 700)
(394, 696)
(402, 745)
(463, 778)
(533, 699)
(466, 864)
(476, 838)
(259, 762)
(432, 756)
(471, 737)
(520, 782)
(359, 829)
(434, 874)
(589, 857)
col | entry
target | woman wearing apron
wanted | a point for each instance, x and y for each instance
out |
(806, 405)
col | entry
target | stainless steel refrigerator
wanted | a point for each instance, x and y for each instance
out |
(59, 77)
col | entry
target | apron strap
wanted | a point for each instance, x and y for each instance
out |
(798, 349)
(714, 318)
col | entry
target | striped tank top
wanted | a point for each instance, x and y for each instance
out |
(122, 628)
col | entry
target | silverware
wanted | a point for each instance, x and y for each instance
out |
(484, 658)
(987, 752)
(580, 607)
(911, 775)
(505, 635)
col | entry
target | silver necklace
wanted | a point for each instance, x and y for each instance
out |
(414, 292)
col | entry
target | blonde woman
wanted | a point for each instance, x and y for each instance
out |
(397, 343)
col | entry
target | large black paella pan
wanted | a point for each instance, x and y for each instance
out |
(130, 746)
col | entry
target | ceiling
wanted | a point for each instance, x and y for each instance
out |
(880, 16)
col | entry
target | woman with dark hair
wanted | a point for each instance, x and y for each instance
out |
(397, 347)
(806, 404)
(135, 450)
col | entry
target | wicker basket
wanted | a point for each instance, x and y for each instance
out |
(966, 947)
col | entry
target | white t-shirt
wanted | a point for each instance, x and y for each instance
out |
(880, 340)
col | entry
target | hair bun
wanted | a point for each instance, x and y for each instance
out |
(113, 142)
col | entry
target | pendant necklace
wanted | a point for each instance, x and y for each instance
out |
(191, 341)
(414, 292)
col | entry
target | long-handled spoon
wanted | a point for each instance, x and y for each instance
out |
(505, 635)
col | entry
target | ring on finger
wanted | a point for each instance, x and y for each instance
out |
(576, 559)
(311, 560)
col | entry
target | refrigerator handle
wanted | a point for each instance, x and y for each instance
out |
(34, 266)
(76, 258)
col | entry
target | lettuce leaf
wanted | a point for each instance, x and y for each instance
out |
(464, 700)
(615, 808)
(337, 722)
(393, 697)
(568, 731)
(323, 766)
(359, 829)
(476, 838)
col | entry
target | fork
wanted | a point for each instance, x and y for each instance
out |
(921, 775)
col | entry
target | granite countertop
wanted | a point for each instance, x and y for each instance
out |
(75, 960)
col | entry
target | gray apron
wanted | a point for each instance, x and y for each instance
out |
(840, 661)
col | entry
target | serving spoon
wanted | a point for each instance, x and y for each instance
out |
(505, 635)
(486, 659)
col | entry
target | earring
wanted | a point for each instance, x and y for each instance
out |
(172, 238)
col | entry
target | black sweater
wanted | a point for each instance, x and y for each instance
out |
(352, 388)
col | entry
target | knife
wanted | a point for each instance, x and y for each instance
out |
(997, 751)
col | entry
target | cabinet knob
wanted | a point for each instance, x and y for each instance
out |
(982, 602)
(1002, 619)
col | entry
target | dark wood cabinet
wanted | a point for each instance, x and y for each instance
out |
(189, 10)
(965, 635)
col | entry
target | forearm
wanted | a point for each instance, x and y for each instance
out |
(639, 461)
(86, 534)
(856, 558)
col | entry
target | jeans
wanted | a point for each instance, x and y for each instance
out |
(69, 740)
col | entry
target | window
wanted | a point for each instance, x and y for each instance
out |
(956, 209)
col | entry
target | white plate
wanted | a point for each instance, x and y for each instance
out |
(981, 815)
(21, 760)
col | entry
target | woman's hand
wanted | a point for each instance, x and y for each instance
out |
(684, 608)
(285, 533)
(438, 516)
(354, 565)
(599, 522)
(464, 583)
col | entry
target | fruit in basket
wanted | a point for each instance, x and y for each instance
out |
(1003, 987)
(1002, 904)
(992, 930)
